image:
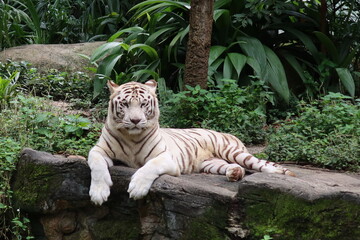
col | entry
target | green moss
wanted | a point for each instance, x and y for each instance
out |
(210, 225)
(283, 216)
(33, 186)
(123, 228)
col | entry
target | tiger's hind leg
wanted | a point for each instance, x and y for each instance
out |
(250, 162)
(232, 171)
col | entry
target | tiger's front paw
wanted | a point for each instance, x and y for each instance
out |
(140, 184)
(100, 190)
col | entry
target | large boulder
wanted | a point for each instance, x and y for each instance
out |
(316, 204)
(64, 57)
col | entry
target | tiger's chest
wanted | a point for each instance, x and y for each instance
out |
(135, 153)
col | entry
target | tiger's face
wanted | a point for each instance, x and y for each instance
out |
(133, 106)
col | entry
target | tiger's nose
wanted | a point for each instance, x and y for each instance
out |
(135, 120)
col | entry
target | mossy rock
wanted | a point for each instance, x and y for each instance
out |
(33, 185)
(210, 225)
(122, 228)
(314, 205)
(48, 183)
(283, 217)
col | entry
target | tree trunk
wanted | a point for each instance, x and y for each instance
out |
(198, 47)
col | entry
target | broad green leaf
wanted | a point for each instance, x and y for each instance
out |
(178, 18)
(154, 37)
(348, 59)
(298, 15)
(151, 52)
(254, 64)
(306, 40)
(145, 73)
(220, 3)
(347, 80)
(183, 5)
(125, 46)
(275, 74)
(99, 83)
(107, 65)
(215, 52)
(329, 45)
(149, 10)
(228, 68)
(126, 30)
(146, 7)
(255, 49)
(103, 72)
(214, 66)
(219, 12)
(295, 65)
(104, 49)
(238, 60)
(178, 37)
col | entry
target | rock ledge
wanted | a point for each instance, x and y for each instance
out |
(316, 204)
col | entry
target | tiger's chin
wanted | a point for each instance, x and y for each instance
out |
(134, 130)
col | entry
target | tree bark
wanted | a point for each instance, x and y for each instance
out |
(198, 47)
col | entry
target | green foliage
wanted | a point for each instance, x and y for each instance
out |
(266, 237)
(12, 18)
(12, 222)
(326, 134)
(285, 48)
(59, 21)
(155, 39)
(7, 89)
(53, 84)
(135, 60)
(33, 122)
(37, 124)
(59, 85)
(261, 59)
(239, 111)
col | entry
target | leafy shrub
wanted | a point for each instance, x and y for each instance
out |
(12, 223)
(287, 48)
(59, 21)
(36, 123)
(60, 85)
(326, 134)
(239, 111)
(54, 84)
(7, 89)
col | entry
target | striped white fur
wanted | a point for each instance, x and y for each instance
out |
(132, 135)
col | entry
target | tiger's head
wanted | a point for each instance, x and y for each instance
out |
(133, 106)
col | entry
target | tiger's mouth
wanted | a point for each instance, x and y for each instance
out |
(135, 130)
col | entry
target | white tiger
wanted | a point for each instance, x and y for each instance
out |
(132, 135)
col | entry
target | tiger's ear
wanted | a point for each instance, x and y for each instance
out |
(152, 84)
(111, 85)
